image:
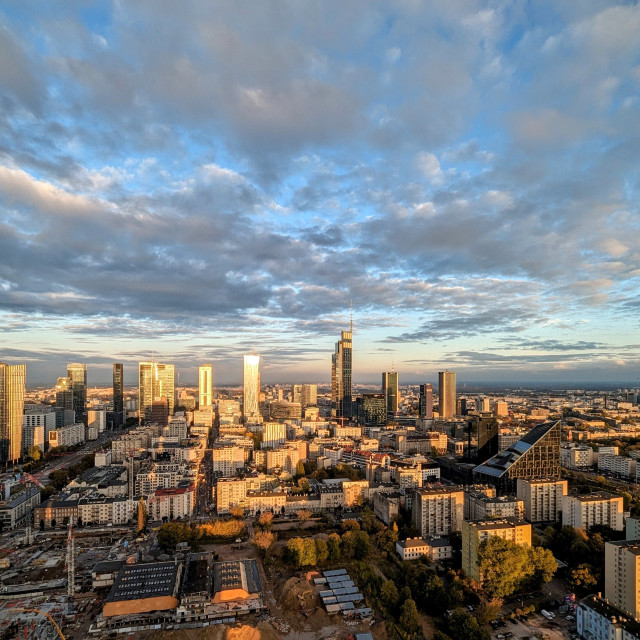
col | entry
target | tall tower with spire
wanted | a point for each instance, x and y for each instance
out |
(341, 375)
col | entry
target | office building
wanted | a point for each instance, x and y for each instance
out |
(535, 455)
(589, 509)
(341, 377)
(474, 533)
(37, 421)
(426, 401)
(118, 392)
(542, 498)
(251, 402)
(447, 390)
(64, 394)
(482, 437)
(309, 395)
(156, 381)
(390, 390)
(205, 386)
(622, 575)
(12, 387)
(372, 409)
(78, 375)
(438, 510)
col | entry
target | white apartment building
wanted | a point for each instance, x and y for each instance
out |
(227, 460)
(479, 506)
(67, 436)
(230, 492)
(542, 498)
(265, 501)
(584, 511)
(438, 510)
(285, 458)
(576, 456)
(597, 619)
(620, 465)
(168, 504)
(274, 435)
(622, 575)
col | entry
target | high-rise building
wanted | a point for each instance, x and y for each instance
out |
(535, 455)
(426, 401)
(205, 385)
(437, 510)
(341, 377)
(371, 409)
(78, 374)
(251, 406)
(155, 381)
(64, 394)
(118, 388)
(622, 575)
(296, 393)
(542, 498)
(309, 395)
(482, 434)
(390, 390)
(12, 386)
(447, 384)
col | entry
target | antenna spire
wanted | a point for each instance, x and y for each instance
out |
(351, 321)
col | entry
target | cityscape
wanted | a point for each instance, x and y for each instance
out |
(319, 320)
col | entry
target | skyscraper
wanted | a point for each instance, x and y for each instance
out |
(156, 381)
(251, 406)
(309, 395)
(205, 386)
(390, 390)
(426, 401)
(64, 394)
(78, 374)
(447, 384)
(12, 384)
(118, 388)
(341, 381)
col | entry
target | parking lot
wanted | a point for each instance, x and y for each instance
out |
(535, 625)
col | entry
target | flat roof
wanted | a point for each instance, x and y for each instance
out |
(136, 581)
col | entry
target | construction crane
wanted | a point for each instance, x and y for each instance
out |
(27, 476)
(42, 613)
(71, 565)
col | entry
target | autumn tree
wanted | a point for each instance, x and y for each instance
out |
(409, 620)
(350, 525)
(265, 520)
(303, 515)
(389, 594)
(463, 625)
(322, 552)
(581, 577)
(333, 547)
(263, 540)
(237, 512)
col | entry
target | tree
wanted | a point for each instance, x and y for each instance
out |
(300, 468)
(502, 565)
(322, 552)
(347, 543)
(265, 520)
(35, 453)
(361, 545)
(409, 620)
(53, 523)
(386, 539)
(350, 525)
(237, 512)
(263, 541)
(79, 522)
(41, 525)
(59, 478)
(488, 610)
(303, 515)
(582, 577)
(333, 547)
(463, 625)
(389, 594)
(303, 485)
(543, 566)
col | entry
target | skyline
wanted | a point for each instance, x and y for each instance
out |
(466, 175)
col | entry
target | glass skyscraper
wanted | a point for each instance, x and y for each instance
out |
(78, 374)
(205, 386)
(251, 402)
(156, 381)
(447, 384)
(390, 390)
(12, 386)
(341, 380)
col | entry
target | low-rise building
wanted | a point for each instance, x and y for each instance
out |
(436, 549)
(598, 619)
(16, 509)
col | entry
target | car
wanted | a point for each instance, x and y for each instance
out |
(570, 617)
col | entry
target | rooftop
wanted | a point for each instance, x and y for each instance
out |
(136, 581)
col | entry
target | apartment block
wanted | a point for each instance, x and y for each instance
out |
(230, 492)
(542, 498)
(584, 511)
(622, 575)
(438, 510)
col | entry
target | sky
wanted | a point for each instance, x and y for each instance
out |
(188, 181)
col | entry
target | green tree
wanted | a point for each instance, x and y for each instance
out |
(463, 625)
(502, 565)
(488, 610)
(387, 538)
(350, 525)
(300, 468)
(347, 544)
(322, 552)
(389, 594)
(542, 565)
(409, 620)
(59, 478)
(35, 453)
(361, 545)
(303, 485)
(582, 578)
(333, 546)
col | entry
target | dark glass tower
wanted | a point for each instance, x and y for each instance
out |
(118, 395)
(341, 382)
(390, 390)
(426, 401)
(78, 374)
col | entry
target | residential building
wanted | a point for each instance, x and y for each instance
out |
(622, 575)
(227, 461)
(341, 377)
(251, 397)
(205, 385)
(576, 456)
(598, 619)
(542, 498)
(475, 532)
(584, 511)
(67, 436)
(274, 435)
(436, 549)
(447, 390)
(17, 506)
(309, 395)
(479, 506)
(12, 388)
(230, 492)
(437, 510)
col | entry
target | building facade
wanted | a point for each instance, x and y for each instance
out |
(438, 510)
(155, 381)
(542, 498)
(390, 390)
(77, 373)
(447, 391)
(12, 388)
(341, 377)
(426, 401)
(251, 406)
(205, 385)
(622, 575)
